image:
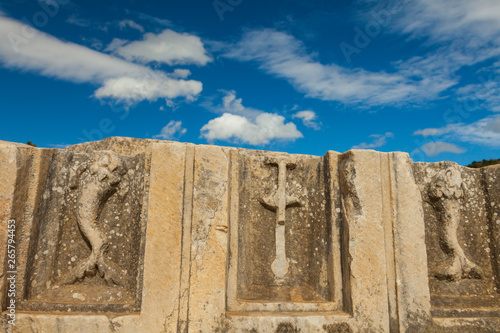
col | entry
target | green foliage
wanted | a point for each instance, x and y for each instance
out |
(31, 144)
(483, 163)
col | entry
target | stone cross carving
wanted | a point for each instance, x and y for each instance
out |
(446, 191)
(278, 203)
(99, 182)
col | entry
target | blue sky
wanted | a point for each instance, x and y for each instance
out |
(420, 76)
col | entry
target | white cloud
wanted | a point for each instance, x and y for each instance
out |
(86, 23)
(308, 119)
(485, 131)
(282, 55)
(266, 127)
(379, 140)
(169, 47)
(115, 44)
(485, 95)
(155, 20)
(135, 90)
(129, 23)
(432, 131)
(94, 43)
(453, 34)
(438, 147)
(246, 125)
(466, 33)
(181, 73)
(451, 19)
(27, 49)
(173, 130)
(76, 20)
(59, 145)
(493, 125)
(232, 104)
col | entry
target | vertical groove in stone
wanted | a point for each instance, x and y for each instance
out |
(335, 175)
(42, 165)
(337, 258)
(144, 223)
(25, 227)
(494, 230)
(388, 216)
(183, 323)
(233, 197)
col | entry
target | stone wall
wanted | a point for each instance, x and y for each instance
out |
(129, 235)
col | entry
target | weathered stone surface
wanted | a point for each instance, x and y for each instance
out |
(460, 240)
(87, 202)
(131, 235)
(285, 253)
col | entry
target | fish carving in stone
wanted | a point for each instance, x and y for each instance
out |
(445, 193)
(96, 182)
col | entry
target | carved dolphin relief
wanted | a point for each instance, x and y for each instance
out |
(99, 182)
(445, 192)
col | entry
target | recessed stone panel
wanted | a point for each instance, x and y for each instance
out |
(459, 237)
(86, 240)
(285, 253)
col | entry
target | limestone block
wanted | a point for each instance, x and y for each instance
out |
(134, 235)
(461, 242)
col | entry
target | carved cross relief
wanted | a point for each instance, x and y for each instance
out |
(278, 203)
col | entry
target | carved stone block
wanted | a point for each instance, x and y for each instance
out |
(284, 236)
(85, 243)
(246, 241)
(463, 273)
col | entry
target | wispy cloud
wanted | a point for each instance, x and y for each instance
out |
(433, 131)
(119, 79)
(131, 24)
(79, 21)
(242, 124)
(485, 95)
(379, 140)
(308, 118)
(282, 55)
(59, 145)
(115, 44)
(451, 19)
(232, 104)
(465, 34)
(94, 43)
(169, 47)
(438, 147)
(155, 20)
(173, 130)
(86, 22)
(451, 34)
(485, 131)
